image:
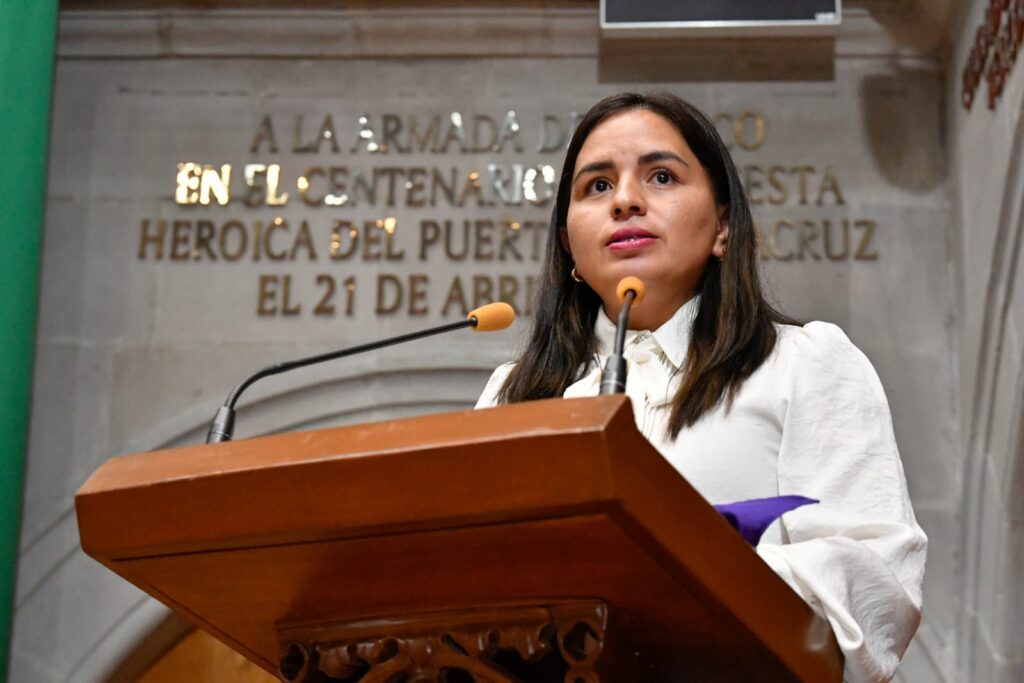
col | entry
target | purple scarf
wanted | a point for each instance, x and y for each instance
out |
(752, 517)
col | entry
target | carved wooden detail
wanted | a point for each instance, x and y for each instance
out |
(555, 643)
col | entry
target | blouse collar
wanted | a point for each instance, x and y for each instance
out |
(673, 337)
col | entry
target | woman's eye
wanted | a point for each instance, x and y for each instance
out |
(600, 185)
(662, 177)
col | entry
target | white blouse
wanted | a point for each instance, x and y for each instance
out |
(811, 421)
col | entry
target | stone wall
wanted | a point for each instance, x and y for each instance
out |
(142, 332)
(986, 151)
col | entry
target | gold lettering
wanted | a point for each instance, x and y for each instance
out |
(256, 193)
(864, 250)
(830, 184)
(297, 146)
(385, 282)
(304, 240)
(304, 183)
(429, 138)
(438, 181)
(753, 182)
(508, 287)
(372, 240)
(808, 236)
(228, 228)
(456, 297)
(418, 294)
(430, 234)
(483, 290)
(273, 185)
(509, 133)
(483, 233)
(339, 183)
(257, 241)
(363, 189)
(539, 184)
(392, 124)
(187, 191)
(449, 250)
(773, 240)
(341, 230)
(481, 121)
(366, 137)
(802, 171)
(391, 174)
(456, 133)
(507, 244)
(156, 239)
(288, 308)
(266, 300)
(325, 307)
(548, 143)
(179, 240)
(781, 194)
(829, 251)
(216, 184)
(264, 134)
(415, 185)
(507, 189)
(205, 232)
(390, 252)
(327, 133)
(742, 130)
(472, 187)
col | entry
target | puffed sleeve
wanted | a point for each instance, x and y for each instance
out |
(858, 556)
(489, 397)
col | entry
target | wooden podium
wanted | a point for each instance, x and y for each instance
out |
(545, 541)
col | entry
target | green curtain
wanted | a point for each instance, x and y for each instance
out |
(28, 31)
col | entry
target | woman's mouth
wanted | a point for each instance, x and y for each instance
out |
(630, 238)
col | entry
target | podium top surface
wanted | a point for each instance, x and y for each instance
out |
(558, 499)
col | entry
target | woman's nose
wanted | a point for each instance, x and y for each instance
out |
(628, 199)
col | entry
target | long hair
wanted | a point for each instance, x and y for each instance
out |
(734, 329)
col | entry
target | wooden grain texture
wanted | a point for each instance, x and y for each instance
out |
(549, 500)
(200, 658)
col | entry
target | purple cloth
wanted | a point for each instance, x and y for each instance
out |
(752, 517)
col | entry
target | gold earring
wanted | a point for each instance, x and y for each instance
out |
(575, 275)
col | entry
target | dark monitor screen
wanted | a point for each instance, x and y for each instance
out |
(642, 11)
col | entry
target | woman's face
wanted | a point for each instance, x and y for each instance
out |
(642, 204)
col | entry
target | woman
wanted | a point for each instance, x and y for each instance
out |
(742, 401)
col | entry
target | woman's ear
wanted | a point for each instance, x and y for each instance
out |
(722, 236)
(563, 235)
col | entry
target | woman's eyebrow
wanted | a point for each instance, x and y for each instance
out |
(592, 167)
(660, 155)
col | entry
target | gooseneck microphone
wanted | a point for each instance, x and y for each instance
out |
(613, 380)
(488, 318)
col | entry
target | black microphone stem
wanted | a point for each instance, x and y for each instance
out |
(222, 427)
(613, 379)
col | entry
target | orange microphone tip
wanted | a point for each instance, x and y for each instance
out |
(492, 317)
(631, 283)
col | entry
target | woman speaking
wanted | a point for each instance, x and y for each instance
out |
(741, 400)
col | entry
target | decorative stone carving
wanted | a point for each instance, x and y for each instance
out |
(555, 643)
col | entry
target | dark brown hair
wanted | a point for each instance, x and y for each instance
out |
(734, 329)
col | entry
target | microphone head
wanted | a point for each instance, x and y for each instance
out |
(492, 317)
(630, 283)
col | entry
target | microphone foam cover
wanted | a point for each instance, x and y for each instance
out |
(628, 283)
(492, 317)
